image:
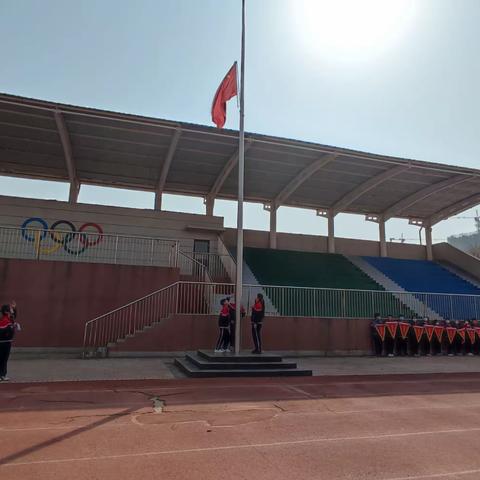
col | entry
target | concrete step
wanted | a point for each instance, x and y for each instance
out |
(242, 358)
(204, 364)
(192, 370)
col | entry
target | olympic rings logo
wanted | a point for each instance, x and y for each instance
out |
(73, 241)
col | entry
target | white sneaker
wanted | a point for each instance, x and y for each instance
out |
(390, 355)
(4, 379)
(217, 351)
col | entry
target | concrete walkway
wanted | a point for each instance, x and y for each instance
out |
(74, 369)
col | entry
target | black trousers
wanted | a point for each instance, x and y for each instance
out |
(377, 344)
(257, 336)
(223, 338)
(389, 345)
(402, 346)
(232, 334)
(5, 348)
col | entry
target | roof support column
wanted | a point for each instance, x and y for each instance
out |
(69, 160)
(166, 167)
(383, 241)
(273, 227)
(331, 232)
(428, 241)
(209, 205)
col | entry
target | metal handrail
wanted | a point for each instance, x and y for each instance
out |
(200, 264)
(119, 235)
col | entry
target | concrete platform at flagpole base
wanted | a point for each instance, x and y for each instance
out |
(207, 364)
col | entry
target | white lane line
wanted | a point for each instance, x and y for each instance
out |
(435, 475)
(241, 446)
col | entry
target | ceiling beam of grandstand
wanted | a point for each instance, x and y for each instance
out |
(365, 187)
(422, 194)
(301, 178)
(69, 160)
(461, 206)
(166, 167)
(226, 170)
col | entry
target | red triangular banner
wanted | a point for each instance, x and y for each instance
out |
(477, 330)
(380, 328)
(439, 332)
(392, 328)
(461, 332)
(418, 332)
(451, 332)
(471, 335)
(404, 328)
(429, 331)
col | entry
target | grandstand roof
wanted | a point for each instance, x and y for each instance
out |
(47, 140)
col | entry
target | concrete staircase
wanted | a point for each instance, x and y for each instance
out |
(205, 364)
(397, 291)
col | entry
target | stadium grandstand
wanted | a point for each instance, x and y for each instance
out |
(112, 280)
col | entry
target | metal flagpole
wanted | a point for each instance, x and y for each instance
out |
(241, 174)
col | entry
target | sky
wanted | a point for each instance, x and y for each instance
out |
(397, 78)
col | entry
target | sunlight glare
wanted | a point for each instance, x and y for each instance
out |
(351, 28)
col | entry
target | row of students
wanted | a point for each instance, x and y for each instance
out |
(227, 323)
(422, 336)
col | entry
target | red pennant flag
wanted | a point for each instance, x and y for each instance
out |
(477, 330)
(418, 332)
(404, 328)
(461, 332)
(439, 332)
(451, 332)
(380, 328)
(392, 328)
(429, 332)
(471, 335)
(226, 90)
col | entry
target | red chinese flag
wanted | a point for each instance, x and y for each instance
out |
(404, 328)
(451, 332)
(226, 90)
(429, 332)
(392, 328)
(439, 332)
(471, 335)
(380, 328)
(461, 332)
(418, 332)
(477, 330)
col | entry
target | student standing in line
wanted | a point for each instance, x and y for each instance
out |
(8, 314)
(377, 343)
(224, 328)
(258, 312)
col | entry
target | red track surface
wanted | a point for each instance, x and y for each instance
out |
(375, 427)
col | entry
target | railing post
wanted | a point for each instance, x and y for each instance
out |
(116, 250)
(151, 251)
(451, 307)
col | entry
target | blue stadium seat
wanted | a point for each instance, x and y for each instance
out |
(431, 277)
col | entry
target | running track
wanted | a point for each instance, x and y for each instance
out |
(374, 427)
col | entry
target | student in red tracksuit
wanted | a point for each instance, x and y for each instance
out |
(258, 312)
(224, 328)
(7, 331)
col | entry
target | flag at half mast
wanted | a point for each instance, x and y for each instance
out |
(226, 90)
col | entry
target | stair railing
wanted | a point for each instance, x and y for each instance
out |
(126, 321)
